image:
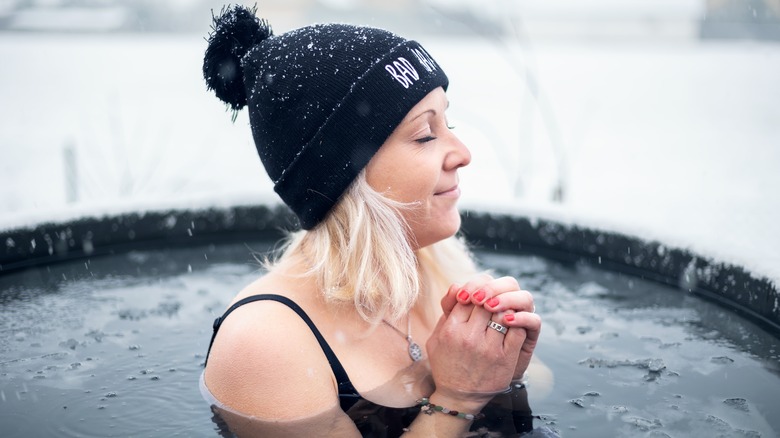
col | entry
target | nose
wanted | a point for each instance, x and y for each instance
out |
(458, 156)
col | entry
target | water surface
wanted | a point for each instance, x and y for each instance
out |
(114, 346)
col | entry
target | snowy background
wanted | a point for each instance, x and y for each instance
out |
(614, 117)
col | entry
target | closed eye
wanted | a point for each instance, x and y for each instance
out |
(425, 139)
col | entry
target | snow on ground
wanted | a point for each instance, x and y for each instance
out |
(670, 141)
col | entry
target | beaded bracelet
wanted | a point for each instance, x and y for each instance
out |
(429, 408)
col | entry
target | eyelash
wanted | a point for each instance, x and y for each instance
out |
(428, 138)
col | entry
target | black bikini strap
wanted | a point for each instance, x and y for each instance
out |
(345, 385)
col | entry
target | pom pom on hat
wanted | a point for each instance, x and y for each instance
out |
(234, 31)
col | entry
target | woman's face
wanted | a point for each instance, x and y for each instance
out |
(419, 164)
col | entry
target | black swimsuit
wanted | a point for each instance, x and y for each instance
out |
(348, 396)
(372, 420)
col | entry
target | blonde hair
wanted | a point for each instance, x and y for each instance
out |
(364, 252)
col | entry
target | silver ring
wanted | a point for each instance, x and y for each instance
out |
(534, 309)
(497, 327)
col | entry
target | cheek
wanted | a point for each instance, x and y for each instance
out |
(403, 183)
(416, 188)
(383, 171)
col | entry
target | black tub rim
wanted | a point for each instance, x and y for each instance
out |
(733, 286)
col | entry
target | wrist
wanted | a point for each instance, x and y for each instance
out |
(429, 408)
(459, 402)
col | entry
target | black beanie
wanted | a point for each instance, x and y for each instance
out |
(322, 99)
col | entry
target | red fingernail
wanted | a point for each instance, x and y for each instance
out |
(463, 295)
(479, 295)
(493, 302)
(509, 317)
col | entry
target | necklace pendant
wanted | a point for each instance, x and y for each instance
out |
(415, 352)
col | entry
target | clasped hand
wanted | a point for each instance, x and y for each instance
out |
(468, 359)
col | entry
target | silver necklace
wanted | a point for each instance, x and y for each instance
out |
(415, 352)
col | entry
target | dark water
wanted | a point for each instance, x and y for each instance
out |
(114, 347)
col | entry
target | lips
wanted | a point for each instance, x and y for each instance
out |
(454, 190)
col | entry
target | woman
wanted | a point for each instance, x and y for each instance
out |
(374, 312)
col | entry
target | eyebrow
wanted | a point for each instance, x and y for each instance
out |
(428, 111)
(423, 113)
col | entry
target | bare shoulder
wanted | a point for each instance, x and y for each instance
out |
(265, 362)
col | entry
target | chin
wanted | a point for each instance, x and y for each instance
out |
(440, 229)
